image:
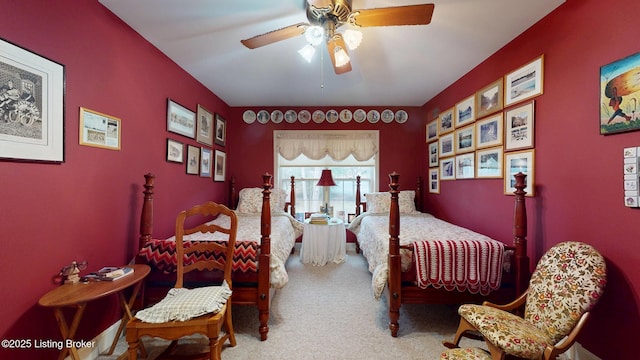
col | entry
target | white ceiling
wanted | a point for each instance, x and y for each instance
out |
(394, 66)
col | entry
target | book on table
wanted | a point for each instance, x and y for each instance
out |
(319, 218)
(111, 273)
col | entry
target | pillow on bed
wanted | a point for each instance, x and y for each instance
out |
(250, 201)
(380, 202)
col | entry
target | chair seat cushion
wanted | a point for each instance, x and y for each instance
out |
(183, 304)
(507, 331)
(465, 354)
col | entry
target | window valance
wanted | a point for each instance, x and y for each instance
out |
(315, 145)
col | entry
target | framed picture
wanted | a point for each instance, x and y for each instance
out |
(432, 131)
(446, 146)
(434, 181)
(205, 162)
(350, 218)
(445, 121)
(489, 163)
(519, 127)
(448, 169)
(525, 82)
(433, 154)
(465, 139)
(489, 99)
(99, 130)
(175, 151)
(220, 166)
(465, 166)
(465, 112)
(204, 126)
(619, 95)
(489, 131)
(32, 106)
(180, 120)
(515, 162)
(221, 130)
(193, 160)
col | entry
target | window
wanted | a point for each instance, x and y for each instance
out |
(304, 154)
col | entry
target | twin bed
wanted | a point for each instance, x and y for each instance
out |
(267, 236)
(420, 259)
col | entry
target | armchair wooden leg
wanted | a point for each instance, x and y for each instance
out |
(463, 327)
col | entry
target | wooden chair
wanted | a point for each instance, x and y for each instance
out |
(567, 282)
(206, 310)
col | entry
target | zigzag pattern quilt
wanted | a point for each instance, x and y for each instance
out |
(161, 254)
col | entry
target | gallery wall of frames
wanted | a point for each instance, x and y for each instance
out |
(490, 133)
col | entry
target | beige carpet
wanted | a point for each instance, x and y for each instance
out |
(329, 312)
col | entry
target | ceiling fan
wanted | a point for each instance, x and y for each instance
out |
(326, 16)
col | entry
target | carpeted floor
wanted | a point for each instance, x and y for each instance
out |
(329, 312)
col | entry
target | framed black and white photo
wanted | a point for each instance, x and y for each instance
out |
(221, 130)
(219, 168)
(448, 169)
(434, 181)
(31, 107)
(465, 166)
(180, 120)
(465, 139)
(489, 131)
(99, 130)
(525, 82)
(205, 162)
(432, 131)
(489, 99)
(445, 121)
(204, 127)
(515, 162)
(193, 160)
(446, 146)
(465, 112)
(175, 151)
(520, 127)
(489, 163)
(433, 154)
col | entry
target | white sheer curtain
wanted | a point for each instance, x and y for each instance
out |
(315, 145)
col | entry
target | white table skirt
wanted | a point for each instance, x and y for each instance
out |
(323, 243)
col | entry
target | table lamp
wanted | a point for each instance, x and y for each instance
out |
(325, 181)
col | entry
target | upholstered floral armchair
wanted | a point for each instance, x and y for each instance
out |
(567, 282)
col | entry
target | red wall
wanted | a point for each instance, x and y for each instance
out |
(253, 144)
(578, 173)
(88, 207)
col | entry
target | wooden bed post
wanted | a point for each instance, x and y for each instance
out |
(418, 198)
(520, 235)
(264, 258)
(233, 200)
(292, 197)
(357, 195)
(146, 216)
(394, 282)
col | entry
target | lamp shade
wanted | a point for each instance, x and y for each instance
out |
(326, 179)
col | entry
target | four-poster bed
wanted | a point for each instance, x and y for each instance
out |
(403, 264)
(266, 237)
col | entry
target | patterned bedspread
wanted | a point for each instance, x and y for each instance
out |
(372, 231)
(284, 231)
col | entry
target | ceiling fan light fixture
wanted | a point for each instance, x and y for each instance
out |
(342, 58)
(314, 35)
(307, 52)
(353, 38)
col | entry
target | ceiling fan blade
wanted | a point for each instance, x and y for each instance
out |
(393, 16)
(334, 44)
(275, 36)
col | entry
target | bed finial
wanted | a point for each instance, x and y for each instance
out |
(146, 218)
(520, 233)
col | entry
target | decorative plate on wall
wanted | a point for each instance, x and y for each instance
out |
(304, 116)
(332, 116)
(402, 116)
(346, 115)
(359, 115)
(290, 116)
(249, 116)
(263, 116)
(373, 116)
(318, 116)
(387, 116)
(276, 116)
